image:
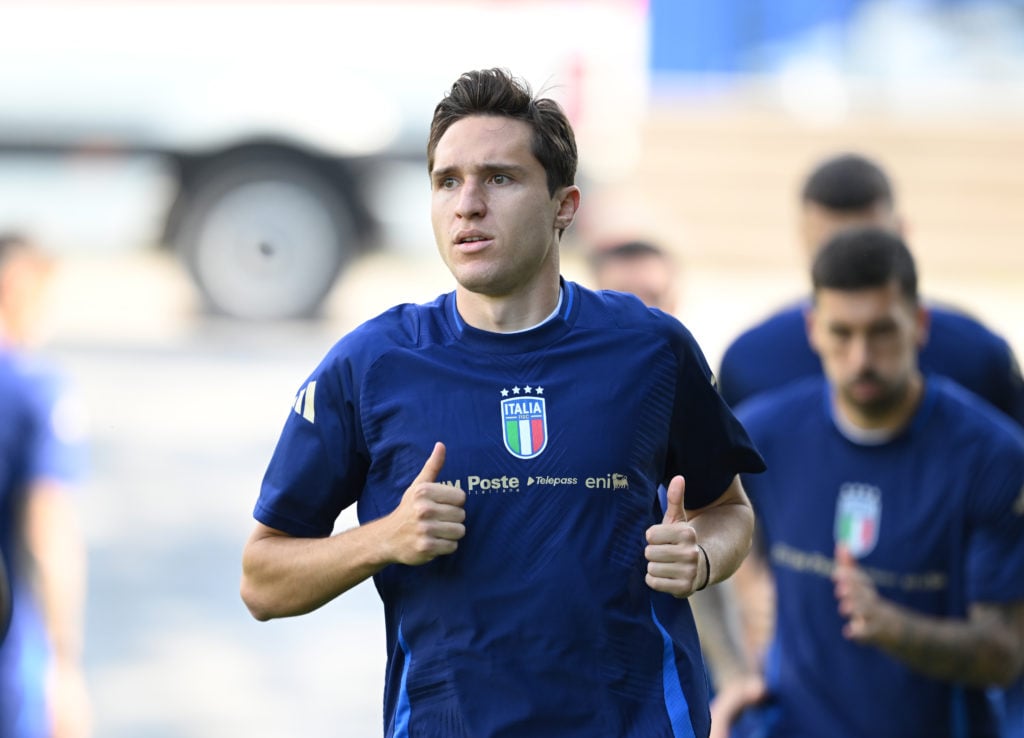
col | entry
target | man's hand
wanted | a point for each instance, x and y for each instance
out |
(674, 563)
(730, 702)
(428, 522)
(866, 613)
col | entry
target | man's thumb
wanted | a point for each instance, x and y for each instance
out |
(843, 556)
(674, 512)
(432, 468)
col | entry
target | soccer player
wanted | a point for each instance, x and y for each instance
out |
(504, 445)
(42, 684)
(892, 515)
(842, 191)
(638, 267)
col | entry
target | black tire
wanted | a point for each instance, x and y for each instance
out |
(265, 237)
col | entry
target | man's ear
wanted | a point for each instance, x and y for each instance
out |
(809, 323)
(923, 320)
(568, 204)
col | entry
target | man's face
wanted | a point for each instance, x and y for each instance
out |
(818, 223)
(648, 276)
(494, 221)
(868, 342)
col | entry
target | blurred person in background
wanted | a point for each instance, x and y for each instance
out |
(532, 583)
(638, 267)
(841, 191)
(42, 686)
(892, 522)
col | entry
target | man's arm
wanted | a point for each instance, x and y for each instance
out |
(986, 648)
(725, 529)
(56, 549)
(283, 575)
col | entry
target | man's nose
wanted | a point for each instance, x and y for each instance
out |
(471, 202)
(860, 352)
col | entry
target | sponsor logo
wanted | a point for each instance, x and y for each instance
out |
(530, 481)
(524, 421)
(608, 481)
(858, 514)
(305, 402)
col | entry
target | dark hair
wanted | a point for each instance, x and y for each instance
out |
(11, 243)
(848, 183)
(496, 92)
(863, 257)
(624, 251)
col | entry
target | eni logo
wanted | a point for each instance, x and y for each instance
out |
(608, 481)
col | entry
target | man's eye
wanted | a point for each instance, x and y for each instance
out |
(447, 183)
(499, 179)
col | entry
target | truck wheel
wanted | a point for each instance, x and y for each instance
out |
(265, 238)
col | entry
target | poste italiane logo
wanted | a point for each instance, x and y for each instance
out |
(524, 421)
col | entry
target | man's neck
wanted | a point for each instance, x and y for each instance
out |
(509, 313)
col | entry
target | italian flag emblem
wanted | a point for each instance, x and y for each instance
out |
(524, 424)
(858, 515)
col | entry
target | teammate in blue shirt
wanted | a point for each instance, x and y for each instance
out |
(504, 445)
(42, 685)
(17, 431)
(841, 191)
(892, 517)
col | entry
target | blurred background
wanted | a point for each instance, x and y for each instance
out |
(231, 186)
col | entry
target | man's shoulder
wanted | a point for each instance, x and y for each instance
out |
(768, 355)
(792, 402)
(608, 310)
(407, 325)
(953, 328)
(961, 410)
(785, 323)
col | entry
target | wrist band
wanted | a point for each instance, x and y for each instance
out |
(707, 563)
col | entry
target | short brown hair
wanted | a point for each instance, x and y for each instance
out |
(496, 92)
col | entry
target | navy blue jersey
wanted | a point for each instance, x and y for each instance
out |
(541, 623)
(24, 427)
(935, 515)
(776, 352)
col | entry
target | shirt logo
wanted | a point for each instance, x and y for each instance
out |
(305, 402)
(524, 421)
(858, 514)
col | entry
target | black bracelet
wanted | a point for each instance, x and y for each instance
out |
(707, 563)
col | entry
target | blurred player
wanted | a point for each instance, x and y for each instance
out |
(42, 687)
(892, 517)
(640, 268)
(842, 191)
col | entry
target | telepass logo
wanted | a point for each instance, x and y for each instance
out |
(524, 421)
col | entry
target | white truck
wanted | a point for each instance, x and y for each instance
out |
(263, 140)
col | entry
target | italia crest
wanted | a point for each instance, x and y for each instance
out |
(524, 421)
(858, 515)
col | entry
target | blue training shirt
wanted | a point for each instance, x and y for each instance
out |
(936, 517)
(541, 623)
(22, 652)
(776, 351)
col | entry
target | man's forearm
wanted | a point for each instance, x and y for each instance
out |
(983, 650)
(284, 576)
(725, 531)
